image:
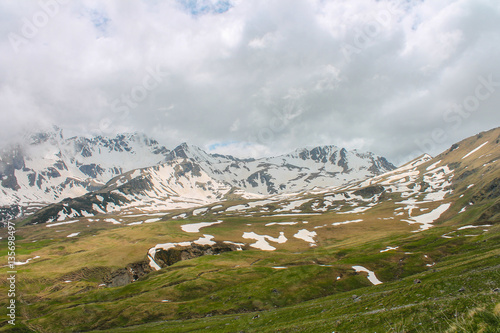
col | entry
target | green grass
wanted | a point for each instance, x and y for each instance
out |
(225, 292)
(241, 291)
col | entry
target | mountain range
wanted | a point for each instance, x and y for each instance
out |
(134, 171)
(191, 245)
(47, 167)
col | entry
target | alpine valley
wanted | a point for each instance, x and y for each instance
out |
(124, 235)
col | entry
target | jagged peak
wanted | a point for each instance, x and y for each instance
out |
(312, 148)
(185, 150)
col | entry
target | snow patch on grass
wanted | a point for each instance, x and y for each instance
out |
(426, 220)
(195, 227)
(474, 150)
(371, 275)
(205, 240)
(280, 223)
(389, 248)
(306, 235)
(347, 222)
(60, 223)
(262, 240)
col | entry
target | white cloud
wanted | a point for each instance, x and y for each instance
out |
(270, 73)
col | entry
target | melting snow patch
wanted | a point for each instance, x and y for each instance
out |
(98, 208)
(389, 249)
(262, 243)
(280, 267)
(433, 166)
(426, 220)
(205, 240)
(356, 210)
(135, 223)
(60, 223)
(237, 244)
(19, 263)
(371, 275)
(473, 151)
(153, 220)
(86, 214)
(199, 211)
(462, 210)
(468, 187)
(112, 221)
(474, 226)
(73, 234)
(153, 264)
(280, 223)
(237, 208)
(292, 205)
(300, 214)
(346, 222)
(165, 246)
(306, 235)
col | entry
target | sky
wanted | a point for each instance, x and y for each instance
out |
(254, 78)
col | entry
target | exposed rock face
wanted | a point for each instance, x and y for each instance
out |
(9, 213)
(169, 257)
(164, 258)
(128, 274)
(46, 167)
(370, 191)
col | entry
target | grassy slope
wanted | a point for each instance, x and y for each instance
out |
(225, 293)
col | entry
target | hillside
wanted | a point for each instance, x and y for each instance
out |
(414, 249)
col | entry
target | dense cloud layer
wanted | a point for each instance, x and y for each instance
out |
(255, 77)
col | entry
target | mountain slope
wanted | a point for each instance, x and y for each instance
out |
(414, 249)
(190, 177)
(303, 169)
(50, 167)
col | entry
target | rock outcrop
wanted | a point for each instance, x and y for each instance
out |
(169, 257)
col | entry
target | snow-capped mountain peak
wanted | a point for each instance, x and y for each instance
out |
(48, 167)
(140, 172)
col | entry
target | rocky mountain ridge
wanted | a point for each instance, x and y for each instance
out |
(49, 167)
(134, 171)
(190, 177)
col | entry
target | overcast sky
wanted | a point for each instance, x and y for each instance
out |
(258, 77)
